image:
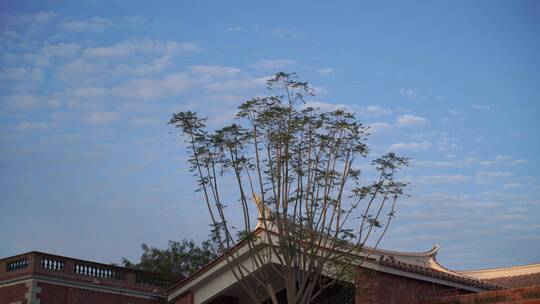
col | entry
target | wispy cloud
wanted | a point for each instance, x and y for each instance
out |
(447, 144)
(443, 179)
(215, 71)
(503, 160)
(94, 24)
(409, 93)
(62, 50)
(34, 125)
(273, 64)
(480, 107)
(519, 162)
(325, 71)
(377, 110)
(233, 29)
(22, 102)
(379, 127)
(152, 88)
(512, 185)
(484, 177)
(142, 46)
(413, 146)
(410, 120)
(101, 118)
(445, 164)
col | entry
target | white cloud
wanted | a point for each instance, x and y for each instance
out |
(39, 18)
(490, 177)
(378, 110)
(504, 159)
(94, 24)
(445, 164)
(479, 107)
(508, 217)
(519, 162)
(215, 71)
(378, 127)
(447, 144)
(157, 65)
(286, 33)
(239, 84)
(22, 101)
(21, 74)
(409, 93)
(414, 146)
(142, 46)
(152, 88)
(234, 29)
(87, 92)
(145, 121)
(437, 179)
(79, 69)
(325, 71)
(34, 125)
(101, 118)
(62, 50)
(512, 185)
(410, 120)
(273, 64)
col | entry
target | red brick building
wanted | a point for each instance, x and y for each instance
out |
(387, 277)
(40, 278)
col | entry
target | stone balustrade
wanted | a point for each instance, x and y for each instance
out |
(42, 264)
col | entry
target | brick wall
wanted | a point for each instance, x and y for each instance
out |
(529, 295)
(13, 293)
(56, 294)
(383, 288)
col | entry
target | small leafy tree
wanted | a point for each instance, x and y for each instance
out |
(178, 261)
(298, 165)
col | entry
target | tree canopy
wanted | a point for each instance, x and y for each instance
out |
(297, 165)
(177, 261)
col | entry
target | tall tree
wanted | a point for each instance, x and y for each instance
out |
(297, 165)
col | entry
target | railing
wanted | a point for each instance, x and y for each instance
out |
(102, 272)
(17, 265)
(37, 263)
(52, 264)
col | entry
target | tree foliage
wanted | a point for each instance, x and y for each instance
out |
(177, 261)
(299, 166)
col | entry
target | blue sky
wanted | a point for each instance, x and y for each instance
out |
(90, 169)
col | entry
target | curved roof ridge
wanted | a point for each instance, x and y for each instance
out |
(430, 253)
(440, 267)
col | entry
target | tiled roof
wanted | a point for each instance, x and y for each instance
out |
(525, 280)
(433, 273)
